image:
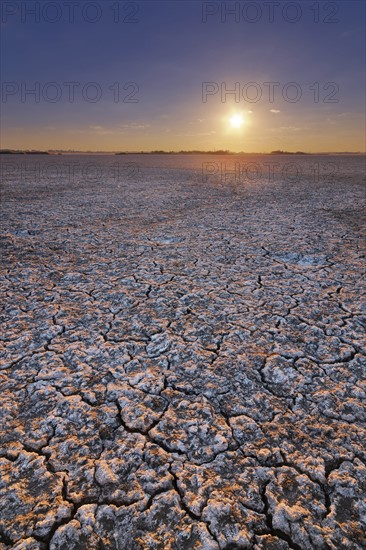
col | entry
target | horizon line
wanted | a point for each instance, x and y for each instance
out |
(171, 152)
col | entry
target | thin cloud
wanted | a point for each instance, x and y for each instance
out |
(135, 126)
(104, 131)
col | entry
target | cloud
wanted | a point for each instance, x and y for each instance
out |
(275, 111)
(135, 126)
(291, 128)
(103, 131)
(287, 129)
(198, 134)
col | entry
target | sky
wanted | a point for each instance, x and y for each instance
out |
(148, 75)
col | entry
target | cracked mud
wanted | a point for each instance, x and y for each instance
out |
(183, 362)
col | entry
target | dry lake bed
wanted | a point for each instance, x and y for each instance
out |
(183, 353)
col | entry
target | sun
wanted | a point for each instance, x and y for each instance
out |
(236, 121)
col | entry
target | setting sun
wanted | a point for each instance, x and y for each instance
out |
(236, 121)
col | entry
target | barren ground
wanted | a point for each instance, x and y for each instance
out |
(183, 362)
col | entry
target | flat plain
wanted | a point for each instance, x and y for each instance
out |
(183, 354)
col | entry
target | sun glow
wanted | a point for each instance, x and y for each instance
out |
(236, 121)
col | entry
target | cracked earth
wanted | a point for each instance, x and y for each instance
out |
(183, 362)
